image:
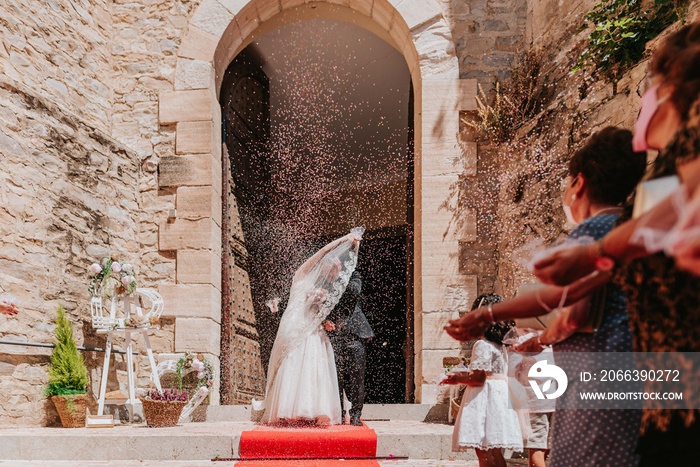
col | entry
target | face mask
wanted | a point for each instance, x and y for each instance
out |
(569, 214)
(567, 209)
(650, 104)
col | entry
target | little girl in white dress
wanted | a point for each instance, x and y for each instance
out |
(487, 422)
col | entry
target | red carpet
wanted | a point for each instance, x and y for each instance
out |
(319, 446)
(309, 463)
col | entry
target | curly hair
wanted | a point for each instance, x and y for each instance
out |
(677, 63)
(609, 166)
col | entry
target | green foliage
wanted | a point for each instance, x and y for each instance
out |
(67, 371)
(621, 29)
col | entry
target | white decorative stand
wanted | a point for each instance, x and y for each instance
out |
(111, 324)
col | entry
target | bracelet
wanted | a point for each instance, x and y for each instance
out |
(489, 312)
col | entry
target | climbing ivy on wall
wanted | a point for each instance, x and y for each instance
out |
(621, 29)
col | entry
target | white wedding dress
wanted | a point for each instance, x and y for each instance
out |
(302, 383)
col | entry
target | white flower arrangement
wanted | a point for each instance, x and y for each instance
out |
(111, 278)
(190, 363)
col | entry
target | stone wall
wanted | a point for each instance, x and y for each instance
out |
(534, 164)
(487, 35)
(68, 195)
(61, 50)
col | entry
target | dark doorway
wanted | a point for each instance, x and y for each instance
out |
(383, 261)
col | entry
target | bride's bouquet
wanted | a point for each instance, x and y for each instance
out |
(318, 296)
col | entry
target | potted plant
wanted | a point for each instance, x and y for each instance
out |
(68, 375)
(163, 409)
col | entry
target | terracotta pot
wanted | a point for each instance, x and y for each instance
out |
(162, 413)
(71, 409)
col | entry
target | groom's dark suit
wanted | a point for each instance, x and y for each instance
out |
(351, 331)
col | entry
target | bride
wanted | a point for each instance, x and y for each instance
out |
(302, 383)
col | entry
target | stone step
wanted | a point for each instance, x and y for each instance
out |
(199, 442)
(416, 412)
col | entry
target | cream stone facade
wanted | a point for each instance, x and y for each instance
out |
(109, 120)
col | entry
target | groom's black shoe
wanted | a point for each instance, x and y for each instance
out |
(355, 421)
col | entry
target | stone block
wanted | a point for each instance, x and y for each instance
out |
(193, 74)
(198, 267)
(267, 9)
(212, 17)
(361, 6)
(439, 193)
(189, 234)
(440, 125)
(448, 293)
(226, 51)
(457, 95)
(191, 301)
(440, 258)
(234, 6)
(185, 106)
(383, 14)
(432, 363)
(417, 12)
(434, 335)
(199, 335)
(198, 202)
(194, 137)
(438, 59)
(197, 45)
(247, 19)
(449, 226)
(451, 157)
(195, 170)
(400, 33)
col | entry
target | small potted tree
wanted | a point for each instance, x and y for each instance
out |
(68, 375)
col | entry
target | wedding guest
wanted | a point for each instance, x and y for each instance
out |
(486, 422)
(602, 174)
(664, 301)
(541, 410)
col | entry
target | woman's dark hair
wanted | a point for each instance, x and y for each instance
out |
(677, 62)
(609, 165)
(496, 331)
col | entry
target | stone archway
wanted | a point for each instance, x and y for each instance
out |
(217, 32)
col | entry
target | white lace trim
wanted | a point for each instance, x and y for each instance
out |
(466, 446)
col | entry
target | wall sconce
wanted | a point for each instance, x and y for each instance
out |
(172, 215)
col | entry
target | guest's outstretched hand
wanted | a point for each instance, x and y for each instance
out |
(564, 266)
(532, 345)
(470, 326)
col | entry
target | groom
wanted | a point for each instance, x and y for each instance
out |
(348, 331)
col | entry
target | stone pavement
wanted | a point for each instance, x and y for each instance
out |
(193, 444)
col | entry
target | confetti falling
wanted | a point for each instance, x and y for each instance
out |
(336, 154)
